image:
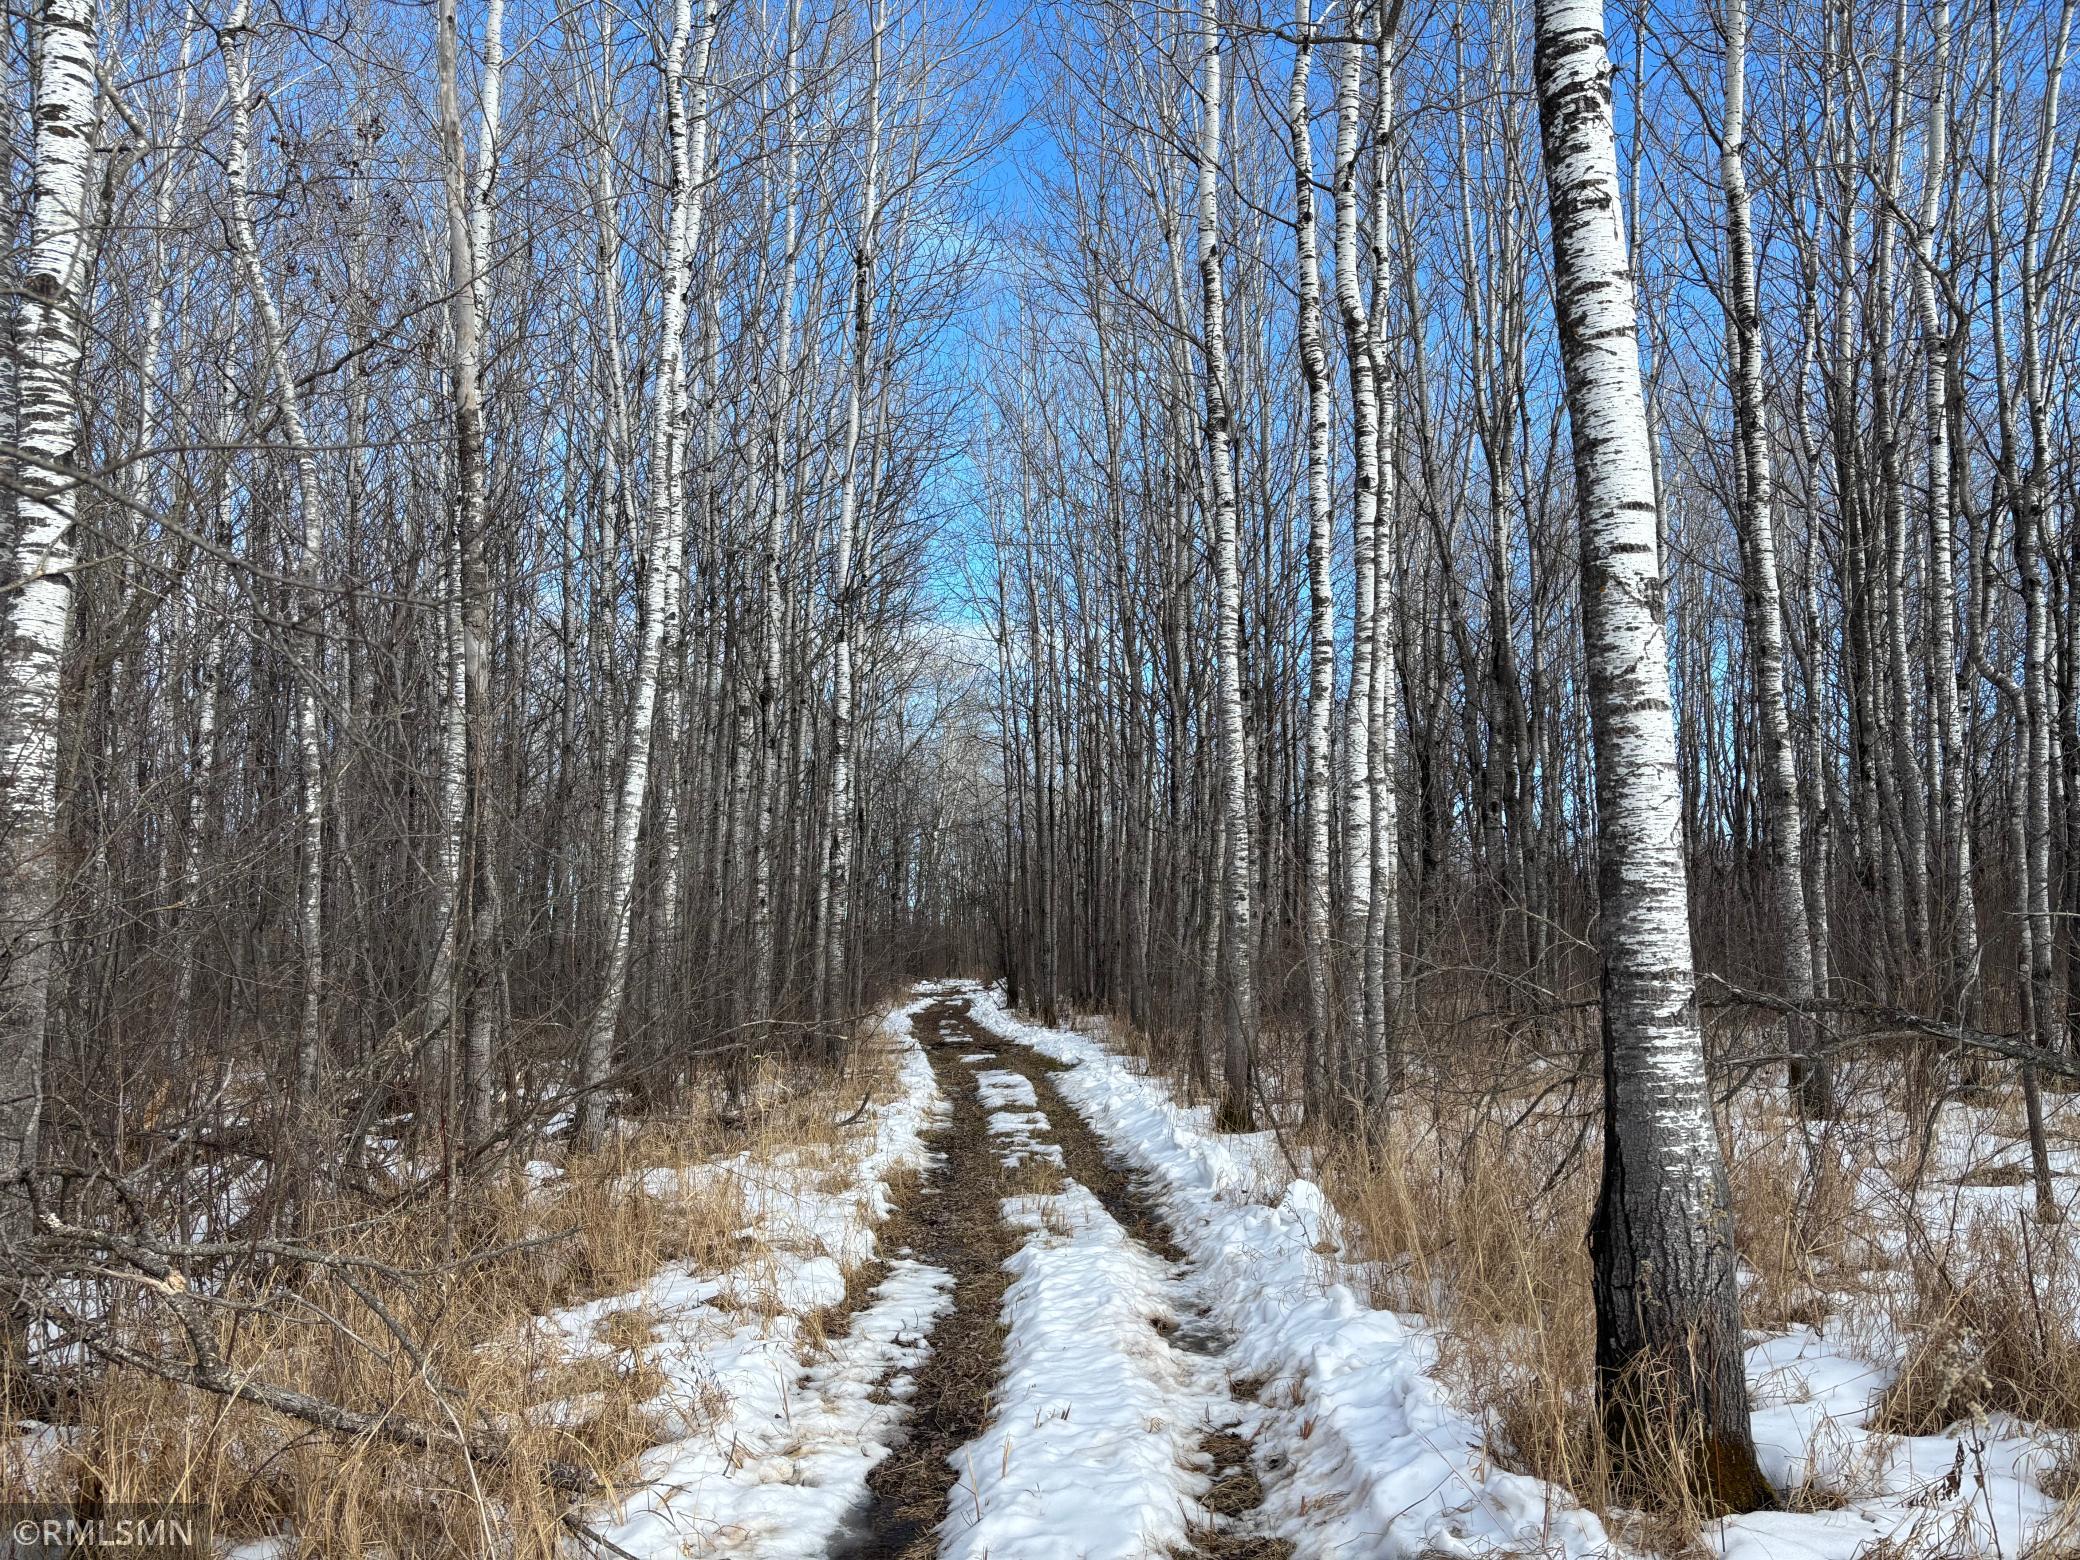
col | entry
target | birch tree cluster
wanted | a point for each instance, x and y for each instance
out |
(471, 657)
(553, 552)
(1852, 243)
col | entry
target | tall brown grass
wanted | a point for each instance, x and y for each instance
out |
(408, 1317)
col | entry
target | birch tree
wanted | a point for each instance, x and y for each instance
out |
(50, 329)
(1756, 525)
(1239, 940)
(1948, 757)
(1383, 908)
(464, 883)
(833, 989)
(1361, 1016)
(686, 130)
(1321, 682)
(770, 667)
(1668, 1336)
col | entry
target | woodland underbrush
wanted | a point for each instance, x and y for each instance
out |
(1901, 1233)
(458, 1426)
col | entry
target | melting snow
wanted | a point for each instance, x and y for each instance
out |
(774, 1438)
(1093, 1449)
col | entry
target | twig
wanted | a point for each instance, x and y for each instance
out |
(863, 1099)
(592, 1535)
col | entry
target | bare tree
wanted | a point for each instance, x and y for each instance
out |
(1756, 524)
(1668, 1336)
(1321, 679)
(237, 39)
(50, 325)
(686, 59)
(1239, 940)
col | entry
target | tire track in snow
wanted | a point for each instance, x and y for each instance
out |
(951, 1222)
(1137, 1283)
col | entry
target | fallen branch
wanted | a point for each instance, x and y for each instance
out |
(217, 1378)
(162, 1269)
(588, 1534)
(2013, 1047)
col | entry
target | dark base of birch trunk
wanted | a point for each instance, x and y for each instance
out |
(1671, 1391)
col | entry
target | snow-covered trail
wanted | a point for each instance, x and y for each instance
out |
(1114, 1435)
(949, 1223)
(1071, 1405)
(1155, 1345)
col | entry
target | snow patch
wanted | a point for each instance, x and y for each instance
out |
(773, 1438)
(1093, 1451)
(1972, 1490)
(1015, 1117)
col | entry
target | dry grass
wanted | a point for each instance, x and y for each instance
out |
(1994, 1319)
(404, 1321)
(1804, 1239)
(1480, 1225)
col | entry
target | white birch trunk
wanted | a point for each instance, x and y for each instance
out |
(1360, 1018)
(1668, 1321)
(485, 966)
(2030, 505)
(1383, 908)
(1236, 1112)
(1951, 783)
(1321, 684)
(686, 136)
(1904, 792)
(447, 987)
(50, 334)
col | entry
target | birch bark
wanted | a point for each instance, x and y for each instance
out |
(1907, 811)
(1359, 1017)
(1240, 1031)
(2029, 503)
(769, 713)
(50, 334)
(464, 891)
(1668, 1337)
(1383, 911)
(1951, 783)
(1321, 683)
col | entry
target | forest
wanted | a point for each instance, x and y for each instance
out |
(1060, 778)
